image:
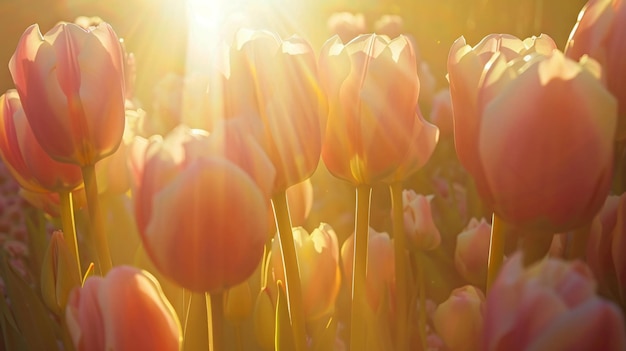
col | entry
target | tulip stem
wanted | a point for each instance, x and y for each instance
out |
(359, 268)
(291, 268)
(67, 223)
(578, 245)
(421, 294)
(399, 239)
(215, 320)
(496, 250)
(96, 219)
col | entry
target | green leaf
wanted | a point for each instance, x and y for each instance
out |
(32, 319)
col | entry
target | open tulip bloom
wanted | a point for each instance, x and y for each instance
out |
(146, 206)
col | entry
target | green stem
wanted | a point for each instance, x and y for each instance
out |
(578, 247)
(496, 250)
(215, 320)
(238, 338)
(96, 218)
(421, 293)
(359, 268)
(399, 240)
(69, 229)
(293, 287)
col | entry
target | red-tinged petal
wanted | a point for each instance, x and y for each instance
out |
(594, 325)
(134, 302)
(211, 215)
(84, 316)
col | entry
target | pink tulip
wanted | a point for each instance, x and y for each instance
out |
(126, 310)
(465, 67)
(550, 306)
(71, 83)
(472, 251)
(419, 226)
(26, 160)
(380, 278)
(318, 262)
(459, 319)
(545, 141)
(605, 248)
(601, 33)
(201, 210)
(372, 88)
(274, 82)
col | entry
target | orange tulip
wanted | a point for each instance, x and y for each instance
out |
(71, 83)
(318, 262)
(601, 33)
(126, 310)
(275, 82)
(465, 67)
(372, 88)
(201, 214)
(546, 141)
(27, 161)
(380, 278)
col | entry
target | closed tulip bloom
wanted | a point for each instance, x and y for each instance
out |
(71, 83)
(472, 251)
(59, 274)
(380, 279)
(465, 67)
(441, 113)
(601, 33)
(275, 82)
(605, 248)
(347, 25)
(28, 162)
(126, 310)
(546, 141)
(551, 305)
(459, 319)
(202, 216)
(318, 262)
(372, 88)
(418, 221)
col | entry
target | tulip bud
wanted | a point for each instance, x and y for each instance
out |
(418, 221)
(238, 303)
(318, 262)
(126, 310)
(472, 251)
(59, 274)
(264, 320)
(459, 320)
(380, 277)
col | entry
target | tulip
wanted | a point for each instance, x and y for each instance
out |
(545, 141)
(318, 262)
(605, 248)
(204, 243)
(389, 25)
(551, 305)
(372, 88)
(274, 81)
(346, 25)
(25, 158)
(418, 221)
(380, 276)
(59, 274)
(465, 67)
(472, 251)
(71, 84)
(600, 33)
(459, 319)
(126, 310)
(441, 114)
